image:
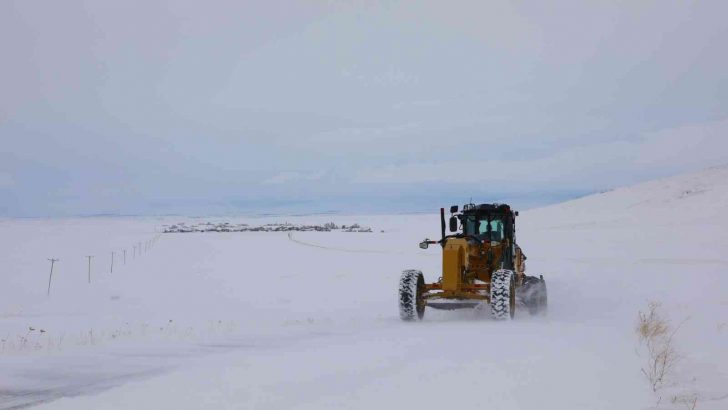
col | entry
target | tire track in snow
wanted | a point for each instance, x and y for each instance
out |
(331, 248)
(662, 261)
(683, 261)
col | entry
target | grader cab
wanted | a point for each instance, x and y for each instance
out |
(481, 264)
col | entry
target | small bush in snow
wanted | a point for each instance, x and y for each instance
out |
(656, 334)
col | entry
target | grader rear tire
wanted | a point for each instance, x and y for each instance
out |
(534, 295)
(544, 299)
(411, 291)
(503, 294)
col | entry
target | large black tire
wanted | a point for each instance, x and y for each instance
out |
(534, 296)
(503, 294)
(411, 290)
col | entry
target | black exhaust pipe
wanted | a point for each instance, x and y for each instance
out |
(442, 226)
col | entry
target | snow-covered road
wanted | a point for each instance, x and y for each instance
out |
(268, 321)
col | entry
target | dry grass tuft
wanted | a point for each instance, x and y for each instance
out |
(651, 324)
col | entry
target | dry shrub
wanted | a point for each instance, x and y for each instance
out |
(689, 401)
(656, 334)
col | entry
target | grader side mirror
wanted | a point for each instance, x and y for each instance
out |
(424, 244)
(453, 224)
(453, 209)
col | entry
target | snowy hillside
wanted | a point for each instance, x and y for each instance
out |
(268, 320)
(700, 197)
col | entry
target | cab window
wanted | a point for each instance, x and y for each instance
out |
(496, 227)
(479, 228)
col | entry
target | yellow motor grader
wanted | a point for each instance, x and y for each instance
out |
(481, 263)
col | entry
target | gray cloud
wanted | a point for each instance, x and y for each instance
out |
(163, 106)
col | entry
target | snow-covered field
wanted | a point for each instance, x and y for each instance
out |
(264, 320)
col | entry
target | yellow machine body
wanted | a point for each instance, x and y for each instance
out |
(467, 267)
(481, 262)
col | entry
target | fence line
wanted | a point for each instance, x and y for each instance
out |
(148, 244)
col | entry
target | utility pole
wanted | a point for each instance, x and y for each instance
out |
(89, 267)
(124, 256)
(50, 277)
(112, 262)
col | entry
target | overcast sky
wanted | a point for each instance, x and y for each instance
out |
(238, 106)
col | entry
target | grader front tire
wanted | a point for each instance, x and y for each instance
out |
(503, 294)
(411, 291)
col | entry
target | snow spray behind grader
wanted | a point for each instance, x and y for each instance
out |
(481, 263)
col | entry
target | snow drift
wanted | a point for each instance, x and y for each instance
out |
(261, 320)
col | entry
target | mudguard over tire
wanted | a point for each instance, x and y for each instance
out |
(503, 294)
(411, 301)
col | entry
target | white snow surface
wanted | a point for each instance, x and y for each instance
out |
(266, 321)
